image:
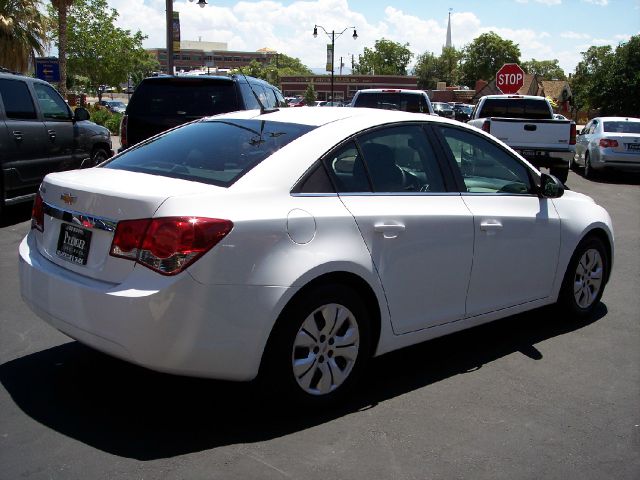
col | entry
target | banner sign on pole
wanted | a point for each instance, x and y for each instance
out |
(329, 57)
(176, 31)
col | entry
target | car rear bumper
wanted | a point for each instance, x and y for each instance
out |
(620, 161)
(170, 324)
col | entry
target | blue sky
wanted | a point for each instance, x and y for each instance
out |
(543, 29)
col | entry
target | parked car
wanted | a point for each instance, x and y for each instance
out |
(163, 102)
(39, 134)
(462, 111)
(443, 109)
(297, 102)
(608, 143)
(415, 101)
(114, 106)
(295, 245)
(559, 116)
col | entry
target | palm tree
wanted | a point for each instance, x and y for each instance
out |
(23, 33)
(62, 7)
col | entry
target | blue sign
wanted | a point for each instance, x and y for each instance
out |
(48, 69)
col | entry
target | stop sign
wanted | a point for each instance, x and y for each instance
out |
(510, 78)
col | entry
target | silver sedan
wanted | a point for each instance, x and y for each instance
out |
(608, 143)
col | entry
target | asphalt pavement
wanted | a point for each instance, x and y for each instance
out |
(533, 396)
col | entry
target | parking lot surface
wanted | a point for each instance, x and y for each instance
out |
(528, 397)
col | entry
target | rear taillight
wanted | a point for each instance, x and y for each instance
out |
(572, 134)
(123, 131)
(486, 126)
(37, 214)
(167, 245)
(608, 143)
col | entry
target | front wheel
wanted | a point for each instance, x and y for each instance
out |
(319, 347)
(585, 278)
(98, 156)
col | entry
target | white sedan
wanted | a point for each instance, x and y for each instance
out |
(294, 245)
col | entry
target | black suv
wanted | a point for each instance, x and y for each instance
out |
(39, 134)
(163, 102)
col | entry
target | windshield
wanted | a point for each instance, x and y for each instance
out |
(621, 127)
(216, 152)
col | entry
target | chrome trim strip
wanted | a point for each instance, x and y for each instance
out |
(77, 218)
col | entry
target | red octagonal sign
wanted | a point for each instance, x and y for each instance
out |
(510, 78)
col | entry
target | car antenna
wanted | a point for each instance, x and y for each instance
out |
(263, 110)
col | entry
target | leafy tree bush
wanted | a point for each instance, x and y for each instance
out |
(310, 95)
(113, 123)
(386, 58)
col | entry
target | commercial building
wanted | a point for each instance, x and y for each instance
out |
(211, 56)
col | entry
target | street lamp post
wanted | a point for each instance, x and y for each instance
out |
(169, 11)
(333, 36)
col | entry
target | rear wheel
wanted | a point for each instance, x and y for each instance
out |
(319, 347)
(584, 281)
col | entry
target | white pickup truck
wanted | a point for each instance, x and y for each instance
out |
(526, 124)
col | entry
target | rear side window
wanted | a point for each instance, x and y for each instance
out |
(516, 108)
(183, 98)
(216, 152)
(17, 100)
(405, 102)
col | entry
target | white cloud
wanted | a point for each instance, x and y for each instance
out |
(602, 3)
(575, 35)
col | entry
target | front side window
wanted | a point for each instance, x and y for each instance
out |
(17, 100)
(216, 152)
(485, 167)
(400, 159)
(51, 103)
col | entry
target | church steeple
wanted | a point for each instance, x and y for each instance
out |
(449, 44)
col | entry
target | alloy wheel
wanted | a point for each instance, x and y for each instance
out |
(588, 278)
(325, 349)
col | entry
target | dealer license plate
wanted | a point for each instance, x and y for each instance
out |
(73, 244)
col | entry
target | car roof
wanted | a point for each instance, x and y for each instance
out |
(510, 96)
(390, 90)
(617, 119)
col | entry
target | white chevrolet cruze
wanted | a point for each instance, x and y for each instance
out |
(294, 245)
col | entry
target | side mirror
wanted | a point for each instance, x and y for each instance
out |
(81, 114)
(550, 186)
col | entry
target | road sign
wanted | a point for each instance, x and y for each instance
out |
(48, 69)
(510, 78)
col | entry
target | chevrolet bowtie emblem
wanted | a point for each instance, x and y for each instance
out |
(68, 198)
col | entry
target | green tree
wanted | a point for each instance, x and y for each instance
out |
(609, 80)
(310, 95)
(62, 8)
(97, 49)
(23, 33)
(386, 58)
(280, 65)
(484, 56)
(547, 69)
(583, 83)
(428, 71)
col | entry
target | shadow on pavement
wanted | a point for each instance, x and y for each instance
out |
(614, 177)
(15, 214)
(136, 413)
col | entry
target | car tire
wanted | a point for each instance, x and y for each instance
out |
(561, 173)
(588, 169)
(585, 278)
(319, 347)
(98, 155)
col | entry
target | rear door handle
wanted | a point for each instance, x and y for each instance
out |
(390, 230)
(17, 134)
(52, 134)
(490, 225)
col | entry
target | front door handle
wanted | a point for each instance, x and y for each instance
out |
(52, 134)
(17, 134)
(389, 230)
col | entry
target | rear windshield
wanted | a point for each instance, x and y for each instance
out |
(406, 102)
(193, 98)
(516, 108)
(217, 152)
(621, 127)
